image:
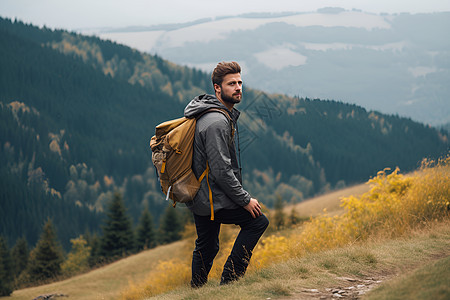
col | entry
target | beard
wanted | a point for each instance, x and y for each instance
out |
(229, 99)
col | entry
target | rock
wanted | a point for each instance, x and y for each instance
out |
(311, 290)
(49, 296)
(350, 288)
(348, 279)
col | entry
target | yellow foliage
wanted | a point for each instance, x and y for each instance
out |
(108, 180)
(167, 276)
(394, 205)
(78, 259)
(54, 147)
(168, 88)
(270, 250)
(54, 192)
(17, 106)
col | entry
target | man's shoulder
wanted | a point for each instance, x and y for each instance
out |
(214, 116)
(213, 120)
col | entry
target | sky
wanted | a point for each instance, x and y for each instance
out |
(85, 14)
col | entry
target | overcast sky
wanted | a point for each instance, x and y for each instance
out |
(81, 14)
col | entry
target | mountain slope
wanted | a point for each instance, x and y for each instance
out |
(77, 114)
(67, 130)
(396, 64)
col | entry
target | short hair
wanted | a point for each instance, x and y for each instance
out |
(222, 69)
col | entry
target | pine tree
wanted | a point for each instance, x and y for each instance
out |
(118, 238)
(94, 243)
(20, 254)
(170, 226)
(6, 269)
(47, 256)
(145, 232)
(293, 217)
(279, 217)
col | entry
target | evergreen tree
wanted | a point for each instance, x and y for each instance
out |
(145, 232)
(293, 217)
(6, 269)
(186, 217)
(170, 226)
(94, 243)
(47, 256)
(279, 217)
(20, 254)
(118, 238)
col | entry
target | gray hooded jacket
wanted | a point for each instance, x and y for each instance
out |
(213, 143)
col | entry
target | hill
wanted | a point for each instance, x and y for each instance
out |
(393, 63)
(77, 114)
(351, 270)
(313, 276)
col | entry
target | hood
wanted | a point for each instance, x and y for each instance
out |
(203, 102)
(200, 104)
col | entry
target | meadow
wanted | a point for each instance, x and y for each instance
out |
(394, 224)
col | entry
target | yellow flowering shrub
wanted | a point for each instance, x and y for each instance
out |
(269, 250)
(394, 205)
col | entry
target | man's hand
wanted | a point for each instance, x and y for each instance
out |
(253, 207)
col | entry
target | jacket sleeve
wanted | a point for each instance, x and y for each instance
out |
(217, 137)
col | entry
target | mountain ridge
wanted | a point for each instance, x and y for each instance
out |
(393, 63)
(78, 113)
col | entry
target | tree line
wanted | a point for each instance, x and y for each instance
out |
(77, 113)
(21, 266)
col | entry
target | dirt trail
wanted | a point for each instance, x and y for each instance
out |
(355, 288)
(351, 288)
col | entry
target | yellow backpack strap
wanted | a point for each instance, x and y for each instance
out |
(205, 173)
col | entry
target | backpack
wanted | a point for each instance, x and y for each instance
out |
(172, 149)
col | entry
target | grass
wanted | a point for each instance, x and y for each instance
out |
(398, 223)
(106, 282)
(381, 259)
(329, 201)
(394, 206)
(431, 281)
(109, 281)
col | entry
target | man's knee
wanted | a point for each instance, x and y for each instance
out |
(263, 222)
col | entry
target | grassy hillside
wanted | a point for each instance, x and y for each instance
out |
(77, 113)
(431, 281)
(329, 201)
(399, 225)
(106, 282)
(377, 260)
(394, 206)
(346, 268)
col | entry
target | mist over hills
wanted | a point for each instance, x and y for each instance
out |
(396, 64)
(77, 113)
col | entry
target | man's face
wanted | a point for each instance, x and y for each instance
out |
(231, 88)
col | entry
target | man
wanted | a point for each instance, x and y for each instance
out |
(214, 145)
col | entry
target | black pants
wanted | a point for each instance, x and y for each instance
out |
(207, 244)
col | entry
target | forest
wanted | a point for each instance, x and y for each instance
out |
(77, 114)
